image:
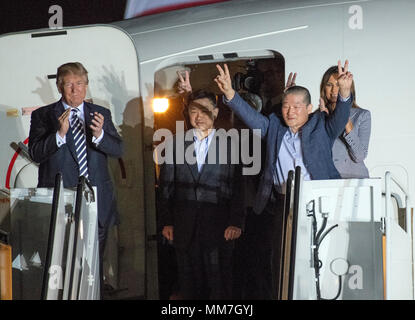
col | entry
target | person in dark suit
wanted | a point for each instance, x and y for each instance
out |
(300, 138)
(75, 138)
(198, 204)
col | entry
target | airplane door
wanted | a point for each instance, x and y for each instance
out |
(29, 61)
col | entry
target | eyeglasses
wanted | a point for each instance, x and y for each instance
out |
(78, 84)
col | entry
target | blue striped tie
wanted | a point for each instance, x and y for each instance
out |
(80, 142)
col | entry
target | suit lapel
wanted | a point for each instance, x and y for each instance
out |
(209, 167)
(59, 109)
(306, 129)
(192, 167)
(282, 130)
(88, 115)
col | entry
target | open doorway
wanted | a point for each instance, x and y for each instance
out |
(260, 81)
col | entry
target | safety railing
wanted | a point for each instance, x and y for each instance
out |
(85, 192)
(289, 238)
(52, 231)
(80, 246)
(389, 219)
(310, 266)
(297, 184)
(284, 269)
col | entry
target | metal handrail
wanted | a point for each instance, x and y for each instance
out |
(284, 232)
(388, 217)
(296, 202)
(82, 184)
(389, 176)
(52, 227)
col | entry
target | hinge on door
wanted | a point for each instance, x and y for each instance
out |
(383, 225)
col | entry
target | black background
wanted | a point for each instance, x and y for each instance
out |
(20, 15)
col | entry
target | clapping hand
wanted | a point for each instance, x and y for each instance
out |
(224, 82)
(345, 79)
(97, 124)
(64, 122)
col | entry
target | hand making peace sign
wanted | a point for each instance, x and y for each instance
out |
(290, 81)
(184, 86)
(345, 79)
(224, 82)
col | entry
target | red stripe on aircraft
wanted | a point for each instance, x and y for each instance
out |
(177, 6)
(11, 164)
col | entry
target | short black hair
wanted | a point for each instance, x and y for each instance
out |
(201, 94)
(298, 90)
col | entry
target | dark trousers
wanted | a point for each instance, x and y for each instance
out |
(102, 240)
(205, 272)
(258, 255)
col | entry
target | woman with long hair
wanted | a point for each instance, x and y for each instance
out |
(351, 147)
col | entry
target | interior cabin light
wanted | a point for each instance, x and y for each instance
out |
(160, 105)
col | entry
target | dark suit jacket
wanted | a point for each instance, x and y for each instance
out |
(317, 138)
(204, 203)
(52, 159)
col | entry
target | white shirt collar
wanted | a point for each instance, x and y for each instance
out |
(208, 137)
(291, 134)
(80, 107)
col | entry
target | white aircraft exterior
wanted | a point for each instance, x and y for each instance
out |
(376, 36)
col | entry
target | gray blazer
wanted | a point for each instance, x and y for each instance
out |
(350, 150)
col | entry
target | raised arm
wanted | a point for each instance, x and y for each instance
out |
(242, 109)
(338, 119)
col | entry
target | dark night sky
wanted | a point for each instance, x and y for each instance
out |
(22, 15)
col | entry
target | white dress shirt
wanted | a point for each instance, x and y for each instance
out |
(202, 147)
(289, 157)
(61, 141)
